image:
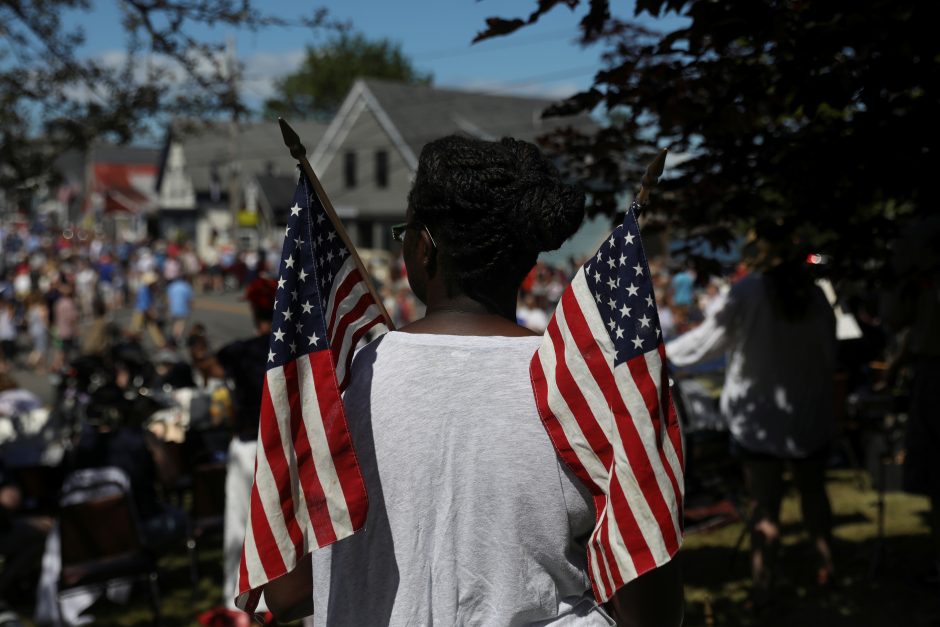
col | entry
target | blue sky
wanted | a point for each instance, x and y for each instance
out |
(436, 35)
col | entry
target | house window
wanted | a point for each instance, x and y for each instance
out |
(349, 169)
(381, 168)
(366, 233)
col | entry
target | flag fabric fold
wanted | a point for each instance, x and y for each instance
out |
(602, 391)
(308, 491)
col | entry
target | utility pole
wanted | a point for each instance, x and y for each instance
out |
(234, 188)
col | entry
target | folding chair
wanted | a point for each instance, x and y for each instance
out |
(101, 542)
(208, 509)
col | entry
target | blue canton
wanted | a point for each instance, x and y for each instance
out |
(618, 278)
(308, 266)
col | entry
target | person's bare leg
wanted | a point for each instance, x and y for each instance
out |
(765, 488)
(810, 478)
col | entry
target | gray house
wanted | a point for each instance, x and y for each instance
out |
(202, 165)
(369, 153)
(366, 159)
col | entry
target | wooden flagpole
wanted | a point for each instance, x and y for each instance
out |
(299, 152)
(653, 171)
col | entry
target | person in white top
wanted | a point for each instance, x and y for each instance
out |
(473, 519)
(778, 333)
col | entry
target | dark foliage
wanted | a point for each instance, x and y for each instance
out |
(810, 115)
(50, 90)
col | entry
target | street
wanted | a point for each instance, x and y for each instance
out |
(226, 317)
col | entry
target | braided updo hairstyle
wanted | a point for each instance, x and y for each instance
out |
(494, 205)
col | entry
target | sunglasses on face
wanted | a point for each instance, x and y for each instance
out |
(398, 231)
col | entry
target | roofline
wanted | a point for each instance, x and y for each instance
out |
(342, 123)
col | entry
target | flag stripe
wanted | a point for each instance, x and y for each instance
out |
(332, 445)
(348, 352)
(556, 432)
(308, 491)
(637, 433)
(648, 503)
(677, 455)
(602, 393)
(350, 290)
(270, 555)
(605, 548)
(312, 482)
(364, 313)
(594, 453)
(274, 489)
(666, 446)
(287, 452)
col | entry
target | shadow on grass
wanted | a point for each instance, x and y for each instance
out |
(717, 583)
(181, 601)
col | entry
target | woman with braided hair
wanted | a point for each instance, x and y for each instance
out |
(473, 519)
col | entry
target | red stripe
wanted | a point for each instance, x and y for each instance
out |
(672, 419)
(555, 431)
(574, 397)
(612, 576)
(674, 432)
(644, 382)
(339, 331)
(313, 490)
(268, 551)
(276, 457)
(629, 528)
(338, 438)
(342, 292)
(629, 436)
(610, 569)
(351, 349)
(243, 581)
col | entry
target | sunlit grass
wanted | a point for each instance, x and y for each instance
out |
(716, 575)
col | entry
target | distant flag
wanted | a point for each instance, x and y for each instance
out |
(308, 491)
(603, 395)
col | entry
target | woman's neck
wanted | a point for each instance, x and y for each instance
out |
(463, 315)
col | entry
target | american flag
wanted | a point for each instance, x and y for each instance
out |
(603, 395)
(308, 491)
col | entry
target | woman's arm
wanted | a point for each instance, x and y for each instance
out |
(706, 341)
(654, 599)
(291, 597)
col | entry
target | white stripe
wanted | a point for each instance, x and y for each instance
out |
(348, 266)
(370, 313)
(636, 501)
(655, 366)
(581, 373)
(320, 450)
(617, 545)
(256, 574)
(359, 291)
(600, 555)
(558, 405)
(644, 426)
(264, 477)
(277, 388)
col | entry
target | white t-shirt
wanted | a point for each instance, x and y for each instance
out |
(473, 520)
(778, 394)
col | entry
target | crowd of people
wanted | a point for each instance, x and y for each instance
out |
(59, 293)
(51, 281)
